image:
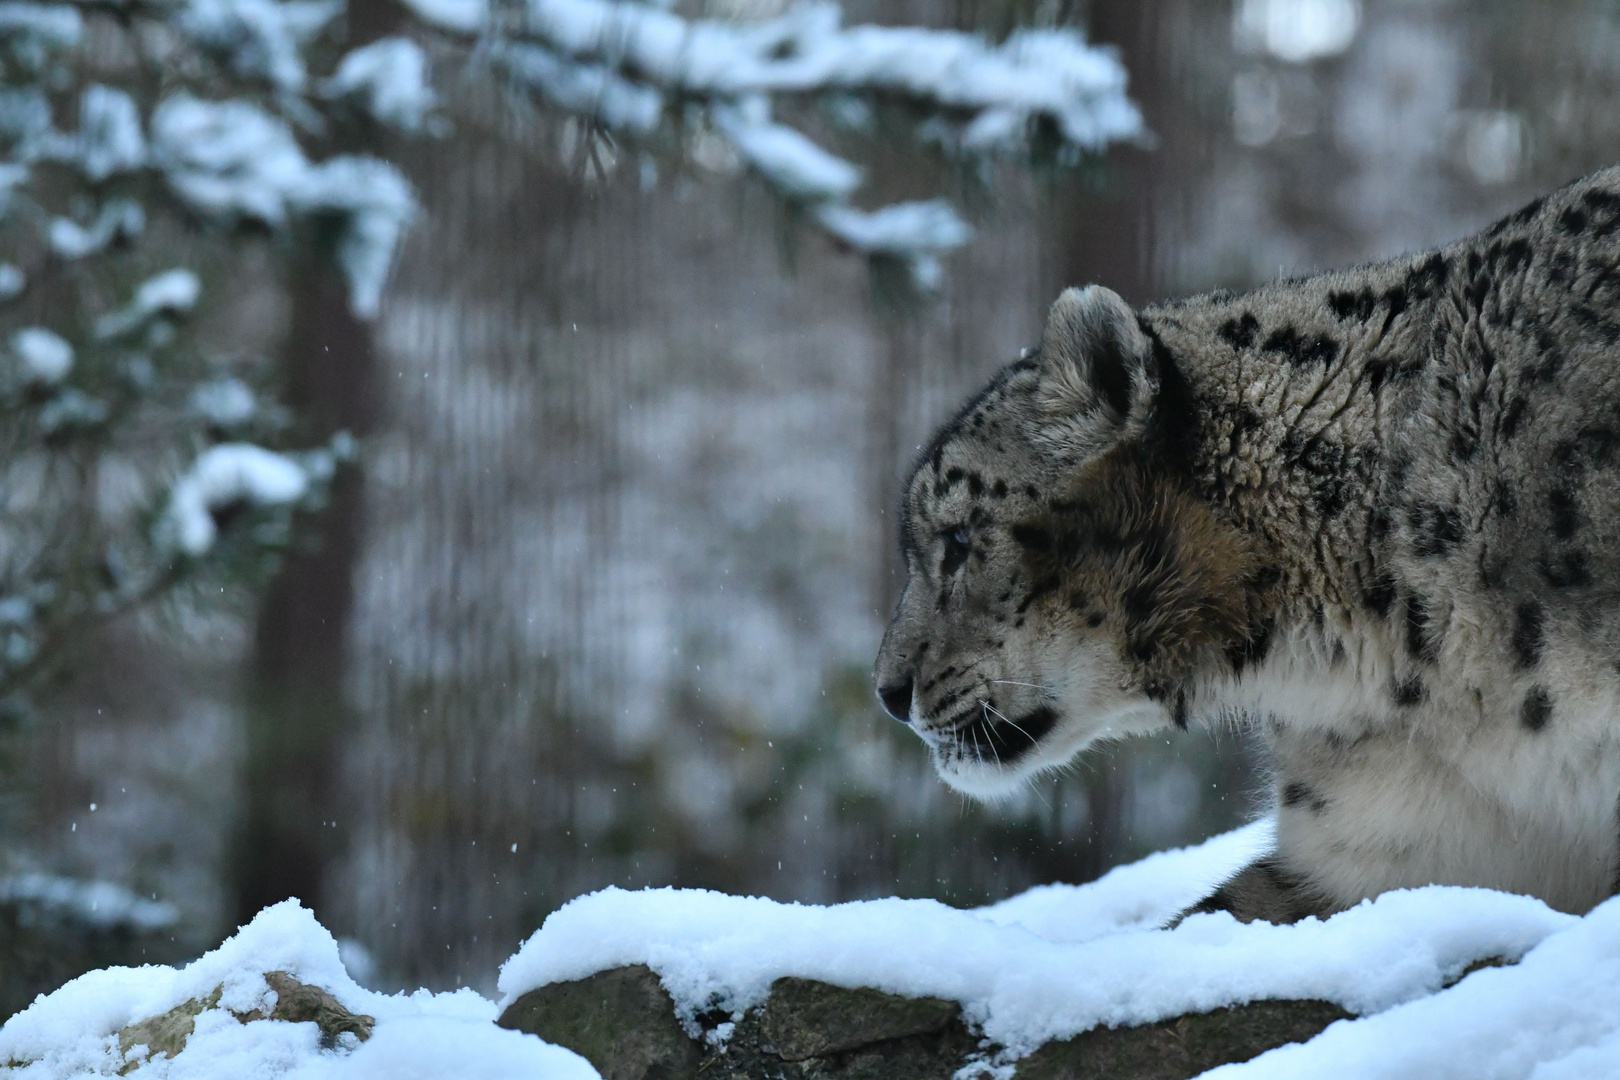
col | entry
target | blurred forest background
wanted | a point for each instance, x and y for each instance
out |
(596, 601)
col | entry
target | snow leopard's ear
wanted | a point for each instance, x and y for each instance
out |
(1096, 367)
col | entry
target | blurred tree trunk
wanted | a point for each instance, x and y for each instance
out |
(292, 820)
(293, 812)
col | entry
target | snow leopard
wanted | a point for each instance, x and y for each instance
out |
(1373, 513)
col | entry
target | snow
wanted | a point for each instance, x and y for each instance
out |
(261, 38)
(911, 231)
(102, 904)
(1045, 965)
(12, 176)
(1558, 1008)
(110, 139)
(119, 218)
(901, 229)
(224, 401)
(171, 291)
(459, 16)
(619, 62)
(35, 29)
(45, 357)
(379, 204)
(228, 158)
(1020, 988)
(391, 78)
(588, 89)
(222, 475)
(1296, 31)
(797, 166)
(421, 1036)
(232, 158)
(1049, 73)
(1138, 896)
(12, 281)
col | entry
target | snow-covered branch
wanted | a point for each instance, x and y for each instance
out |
(227, 112)
(626, 64)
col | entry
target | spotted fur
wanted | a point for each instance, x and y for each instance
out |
(1375, 513)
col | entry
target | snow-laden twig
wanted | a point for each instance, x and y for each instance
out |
(390, 77)
(172, 291)
(45, 358)
(260, 38)
(234, 159)
(221, 475)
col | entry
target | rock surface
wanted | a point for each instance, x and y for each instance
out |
(1180, 1048)
(296, 1003)
(623, 1022)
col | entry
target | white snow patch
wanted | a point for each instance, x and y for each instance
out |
(99, 903)
(423, 1036)
(222, 475)
(110, 139)
(261, 38)
(12, 175)
(224, 401)
(232, 158)
(12, 281)
(1297, 31)
(378, 202)
(174, 290)
(1554, 1013)
(914, 232)
(227, 158)
(46, 358)
(1035, 72)
(119, 218)
(901, 229)
(54, 26)
(1141, 895)
(616, 61)
(1024, 988)
(391, 78)
(460, 16)
(786, 158)
(588, 89)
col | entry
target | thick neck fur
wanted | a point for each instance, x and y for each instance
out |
(1284, 412)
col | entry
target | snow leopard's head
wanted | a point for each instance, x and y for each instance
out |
(1061, 584)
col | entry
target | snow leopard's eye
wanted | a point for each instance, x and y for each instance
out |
(956, 550)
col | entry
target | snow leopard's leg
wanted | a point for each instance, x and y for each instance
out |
(1262, 891)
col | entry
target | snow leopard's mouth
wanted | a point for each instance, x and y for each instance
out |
(984, 733)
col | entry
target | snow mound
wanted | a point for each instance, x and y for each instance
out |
(422, 1036)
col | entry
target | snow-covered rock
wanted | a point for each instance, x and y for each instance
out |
(1435, 982)
(75, 1032)
(1021, 983)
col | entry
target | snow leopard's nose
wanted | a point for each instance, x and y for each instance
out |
(897, 700)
